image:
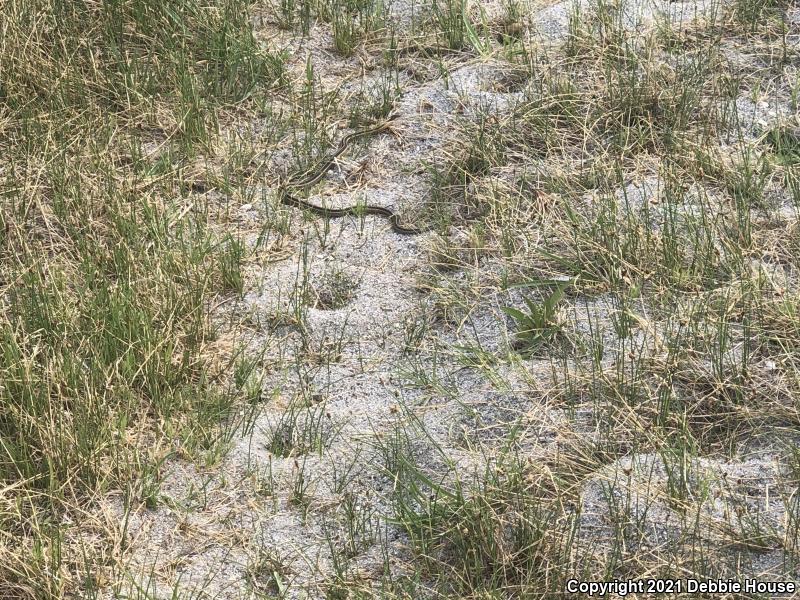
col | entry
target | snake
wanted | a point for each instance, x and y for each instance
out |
(313, 177)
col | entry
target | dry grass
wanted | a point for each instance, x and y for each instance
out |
(589, 370)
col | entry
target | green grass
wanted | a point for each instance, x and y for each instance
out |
(460, 454)
(677, 352)
(106, 280)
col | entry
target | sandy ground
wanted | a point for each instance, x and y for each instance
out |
(226, 530)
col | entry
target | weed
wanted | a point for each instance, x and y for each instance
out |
(540, 323)
(627, 173)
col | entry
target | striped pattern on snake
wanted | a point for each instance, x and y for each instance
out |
(318, 173)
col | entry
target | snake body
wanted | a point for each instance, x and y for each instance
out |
(316, 174)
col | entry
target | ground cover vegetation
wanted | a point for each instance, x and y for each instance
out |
(589, 368)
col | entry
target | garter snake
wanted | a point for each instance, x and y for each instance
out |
(317, 173)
